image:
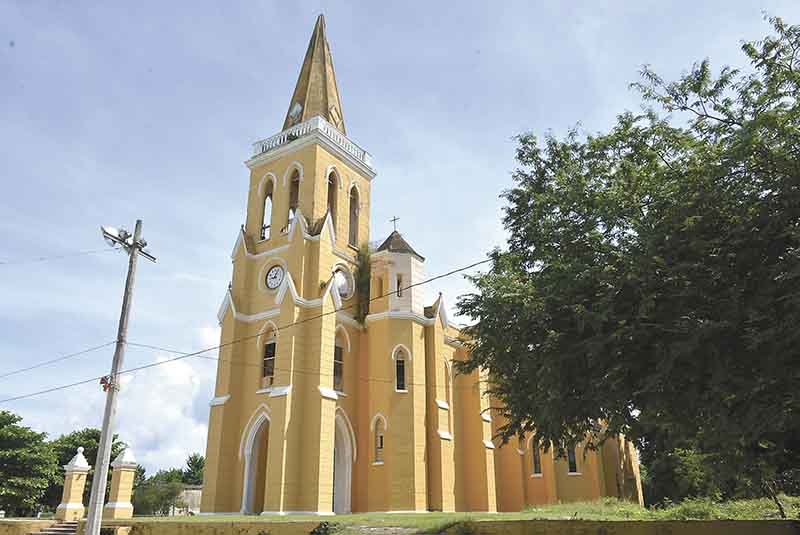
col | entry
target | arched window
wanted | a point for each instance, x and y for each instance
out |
(536, 460)
(338, 364)
(294, 196)
(332, 187)
(379, 287)
(378, 455)
(400, 370)
(572, 460)
(448, 394)
(352, 235)
(268, 370)
(266, 217)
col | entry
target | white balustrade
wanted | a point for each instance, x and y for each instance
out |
(315, 124)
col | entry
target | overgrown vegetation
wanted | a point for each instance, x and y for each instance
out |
(362, 276)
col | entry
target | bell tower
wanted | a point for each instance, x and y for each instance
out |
(287, 318)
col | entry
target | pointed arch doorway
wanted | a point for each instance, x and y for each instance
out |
(255, 465)
(343, 457)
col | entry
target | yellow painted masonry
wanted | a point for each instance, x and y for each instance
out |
(316, 411)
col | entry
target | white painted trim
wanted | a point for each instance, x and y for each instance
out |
(486, 418)
(263, 181)
(278, 391)
(378, 463)
(344, 431)
(307, 139)
(537, 475)
(442, 404)
(405, 391)
(257, 418)
(251, 431)
(350, 321)
(404, 348)
(292, 166)
(119, 505)
(445, 435)
(268, 325)
(346, 335)
(453, 342)
(400, 315)
(265, 390)
(219, 400)
(574, 473)
(379, 415)
(329, 393)
(228, 303)
(340, 412)
(70, 506)
(488, 444)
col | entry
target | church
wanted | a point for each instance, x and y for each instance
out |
(327, 402)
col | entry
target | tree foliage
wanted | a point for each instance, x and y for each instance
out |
(193, 473)
(157, 495)
(27, 464)
(651, 281)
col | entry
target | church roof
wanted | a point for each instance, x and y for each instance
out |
(396, 244)
(316, 92)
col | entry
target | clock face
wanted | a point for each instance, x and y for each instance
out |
(274, 277)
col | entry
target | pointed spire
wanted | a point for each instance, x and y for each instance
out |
(316, 92)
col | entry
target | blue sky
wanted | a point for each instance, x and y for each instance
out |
(115, 111)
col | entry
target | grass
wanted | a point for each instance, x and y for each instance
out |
(609, 509)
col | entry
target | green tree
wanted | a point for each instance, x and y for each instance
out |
(651, 283)
(65, 447)
(27, 464)
(193, 473)
(158, 494)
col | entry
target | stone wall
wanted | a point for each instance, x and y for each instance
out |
(23, 526)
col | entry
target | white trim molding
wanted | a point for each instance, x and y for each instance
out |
(379, 416)
(486, 418)
(219, 400)
(404, 348)
(279, 391)
(442, 404)
(329, 393)
(489, 444)
(445, 435)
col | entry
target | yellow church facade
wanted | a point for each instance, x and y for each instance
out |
(318, 409)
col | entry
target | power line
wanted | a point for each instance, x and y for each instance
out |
(277, 368)
(57, 359)
(220, 346)
(38, 259)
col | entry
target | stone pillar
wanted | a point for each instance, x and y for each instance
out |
(119, 498)
(71, 506)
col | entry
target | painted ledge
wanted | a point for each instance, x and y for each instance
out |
(278, 391)
(329, 393)
(219, 400)
(489, 445)
(445, 435)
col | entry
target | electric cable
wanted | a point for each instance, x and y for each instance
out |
(232, 342)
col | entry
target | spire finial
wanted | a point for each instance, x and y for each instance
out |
(316, 92)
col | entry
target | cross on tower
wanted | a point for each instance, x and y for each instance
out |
(394, 221)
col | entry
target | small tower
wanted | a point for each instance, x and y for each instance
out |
(399, 267)
(71, 506)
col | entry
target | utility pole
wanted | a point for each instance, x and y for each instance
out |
(134, 246)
